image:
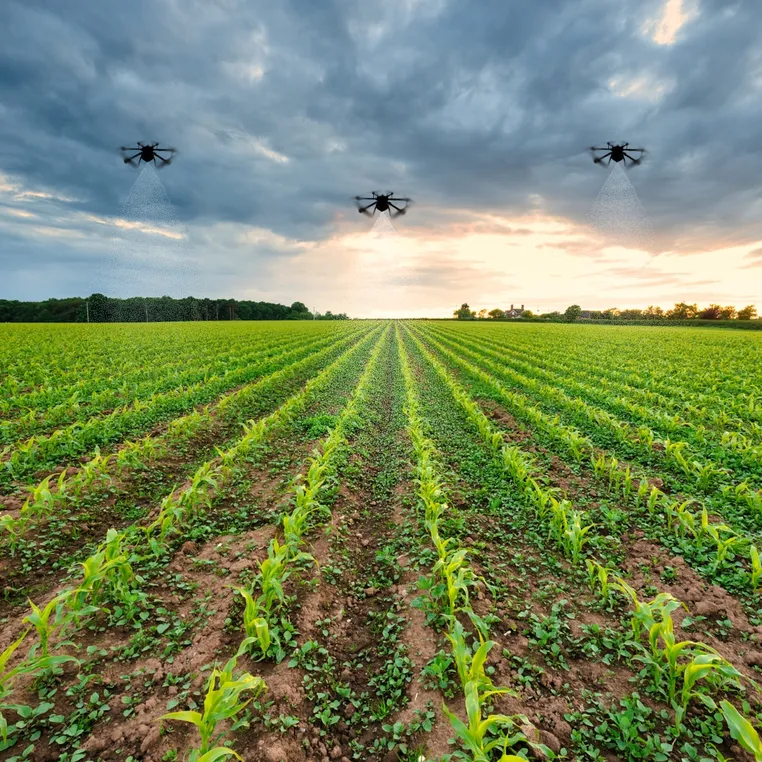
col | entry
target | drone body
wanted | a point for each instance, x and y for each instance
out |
(382, 202)
(147, 153)
(618, 152)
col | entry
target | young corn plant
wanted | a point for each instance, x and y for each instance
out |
(646, 613)
(668, 659)
(482, 734)
(259, 617)
(654, 498)
(600, 574)
(575, 536)
(722, 543)
(107, 575)
(756, 568)
(47, 620)
(223, 701)
(15, 529)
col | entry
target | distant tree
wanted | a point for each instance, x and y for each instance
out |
(144, 309)
(496, 313)
(464, 313)
(572, 313)
(728, 313)
(653, 313)
(482, 314)
(527, 314)
(712, 312)
(631, 314)
(747, 313)
(611, 313)
(100, 308)
(683, 311)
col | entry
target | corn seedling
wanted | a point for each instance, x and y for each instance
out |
(222, 702)
(482, 734)
(756, 568)
(600, 574)
(646, 613)
(704, 664)
(15, 529)
(256, 627)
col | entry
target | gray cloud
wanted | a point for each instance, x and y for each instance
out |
(283, 111)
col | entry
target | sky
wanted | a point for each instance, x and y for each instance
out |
(281, 112)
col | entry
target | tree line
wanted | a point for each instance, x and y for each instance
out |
(681, 311)
(98, 308)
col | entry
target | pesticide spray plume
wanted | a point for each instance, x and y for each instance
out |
(150, 248)
(618, 215)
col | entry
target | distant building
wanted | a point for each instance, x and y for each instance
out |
(514, 313)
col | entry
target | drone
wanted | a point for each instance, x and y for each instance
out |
(382, 203)
(616, 152)
(147, 153)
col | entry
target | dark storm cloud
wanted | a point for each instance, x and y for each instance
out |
(283, 111)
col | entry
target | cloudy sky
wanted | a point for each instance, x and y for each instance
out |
(282, 111)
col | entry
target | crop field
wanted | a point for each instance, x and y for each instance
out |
(391, 540)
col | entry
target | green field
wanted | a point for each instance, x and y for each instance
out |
(360, 540)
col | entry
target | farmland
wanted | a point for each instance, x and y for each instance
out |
(362, 540)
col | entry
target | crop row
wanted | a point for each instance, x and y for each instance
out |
(72, 442)
(107, 575)
(679, 373)
(99, 393)
(678, 666)
(51, 495)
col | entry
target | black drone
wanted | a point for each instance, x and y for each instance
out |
(618, 153)
(147, 153)
(382, 203)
